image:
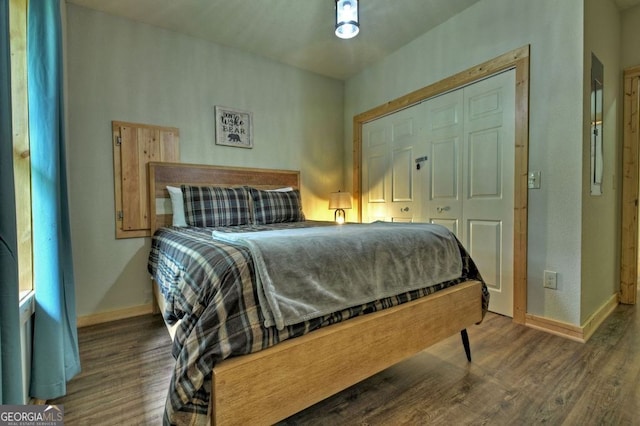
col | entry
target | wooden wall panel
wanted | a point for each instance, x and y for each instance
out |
(135, 146)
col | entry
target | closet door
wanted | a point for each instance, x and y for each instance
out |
(470, 137)
(389, 169)
(464, 142)
(443, 133)
(488, 183)
(375, 166)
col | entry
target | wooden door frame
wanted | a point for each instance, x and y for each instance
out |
(517, 60)
(629, 235)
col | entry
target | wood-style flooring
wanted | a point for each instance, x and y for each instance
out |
(518, 376)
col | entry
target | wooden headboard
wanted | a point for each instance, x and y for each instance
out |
(163, 174)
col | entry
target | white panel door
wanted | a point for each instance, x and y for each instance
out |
(375, 168)
(443, 133)
(470, 136)
(488, 184)
(389, 168)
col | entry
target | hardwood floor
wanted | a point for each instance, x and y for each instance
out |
(518, 376)
(126, 367)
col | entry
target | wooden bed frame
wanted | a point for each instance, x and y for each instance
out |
(273, 384)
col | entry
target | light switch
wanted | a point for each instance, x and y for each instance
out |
(534, 180)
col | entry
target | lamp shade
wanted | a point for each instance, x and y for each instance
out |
(347, 18)
(339, 200)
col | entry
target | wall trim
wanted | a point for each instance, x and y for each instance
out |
(597, 318)
(630, 172)
(102, 317)
(559, 328)
(573, 332)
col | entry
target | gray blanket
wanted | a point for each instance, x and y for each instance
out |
(309, 272)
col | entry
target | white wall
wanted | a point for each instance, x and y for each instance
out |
(554, 29)
(601, 215)
(630, 37)
(127, 71)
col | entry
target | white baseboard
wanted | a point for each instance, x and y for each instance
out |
(594, 321)
(119, 314)
(578, 333)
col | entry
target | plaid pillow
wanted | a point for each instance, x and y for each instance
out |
(209, 206)
(276, 207)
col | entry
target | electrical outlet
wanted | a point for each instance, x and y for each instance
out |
(550, 280)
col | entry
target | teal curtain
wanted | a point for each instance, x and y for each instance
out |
(11, 391)
(55, 341)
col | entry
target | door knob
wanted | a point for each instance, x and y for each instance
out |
(406, 209)
(441, 209)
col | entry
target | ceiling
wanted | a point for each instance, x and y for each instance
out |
(296, 32)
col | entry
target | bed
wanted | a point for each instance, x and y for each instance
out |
(264, 382)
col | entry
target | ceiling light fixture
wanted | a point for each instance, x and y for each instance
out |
(347, 18)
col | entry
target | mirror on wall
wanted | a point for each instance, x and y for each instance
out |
(597, 86)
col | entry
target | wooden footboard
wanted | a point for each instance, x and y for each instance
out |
(273, 384)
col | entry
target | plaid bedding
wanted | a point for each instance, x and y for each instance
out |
(209, 286)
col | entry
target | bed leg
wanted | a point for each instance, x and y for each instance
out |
(465, 343)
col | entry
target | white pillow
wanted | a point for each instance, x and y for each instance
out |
(177, 206)
(287, 189)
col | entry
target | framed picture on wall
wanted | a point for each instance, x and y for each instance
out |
(234, 127)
